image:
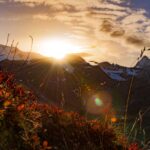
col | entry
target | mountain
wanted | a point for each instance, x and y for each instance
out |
(69, 83)
(91, 90)
(117, 72)
(73, 78)
(144, 62)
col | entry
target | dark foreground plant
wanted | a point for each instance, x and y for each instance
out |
(27, 125)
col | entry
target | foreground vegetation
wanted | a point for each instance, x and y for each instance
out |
(28, 125)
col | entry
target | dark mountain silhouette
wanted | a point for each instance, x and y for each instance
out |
(144, 62)
(72, 82)
(65, 83)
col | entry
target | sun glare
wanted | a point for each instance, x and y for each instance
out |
(57, 48)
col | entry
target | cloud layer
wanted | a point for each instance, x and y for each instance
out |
(118, 29)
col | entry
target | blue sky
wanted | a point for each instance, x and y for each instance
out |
(145, 4)
(109, 30)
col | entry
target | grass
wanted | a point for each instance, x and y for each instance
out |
(133, 136)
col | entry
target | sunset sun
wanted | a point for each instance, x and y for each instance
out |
(57, 48)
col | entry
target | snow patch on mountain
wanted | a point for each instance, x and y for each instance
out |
(115, 75)
(121, 73)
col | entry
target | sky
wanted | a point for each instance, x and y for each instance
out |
(107, 30)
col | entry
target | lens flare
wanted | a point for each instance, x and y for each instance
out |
(113, 119)
(98, 102)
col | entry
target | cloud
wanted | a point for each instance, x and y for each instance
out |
(118, 33)
(113, 22)
(135, 40)
(83, 54)
(106, 26)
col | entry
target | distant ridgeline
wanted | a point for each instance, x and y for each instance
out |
(76, 85)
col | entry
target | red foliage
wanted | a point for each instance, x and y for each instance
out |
(134, 146)
(37, 126)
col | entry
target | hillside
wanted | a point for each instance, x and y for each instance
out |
(25, 124)
(91, 90)
(69, 84)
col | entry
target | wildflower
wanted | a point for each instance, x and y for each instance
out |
(7, 94)
(7, 103)
(45, 144)
(134, 146)
(1, 111)
(20, 107)
(35, 139)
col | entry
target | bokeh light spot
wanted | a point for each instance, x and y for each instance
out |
(113, 119)
(98, 102)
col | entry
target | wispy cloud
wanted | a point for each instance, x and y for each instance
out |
(116, 28)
